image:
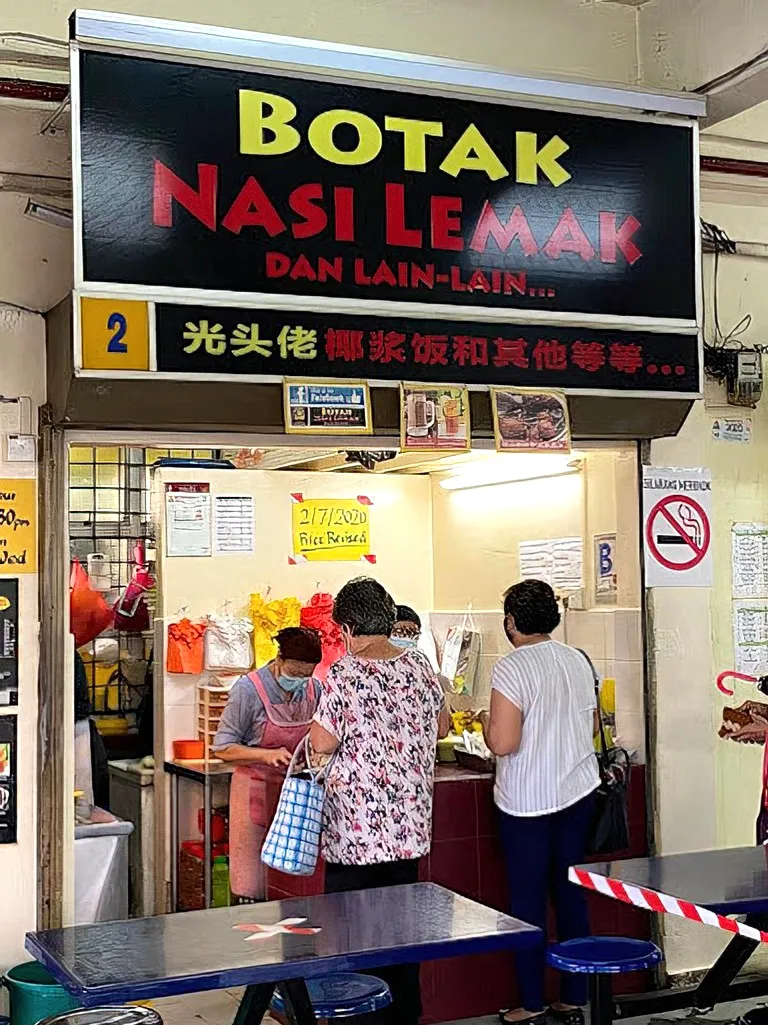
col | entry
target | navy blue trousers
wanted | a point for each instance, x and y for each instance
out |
(539, 850)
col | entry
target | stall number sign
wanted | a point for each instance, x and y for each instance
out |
(331, 529)
(114, 334)
(18, 526)
(677, 531)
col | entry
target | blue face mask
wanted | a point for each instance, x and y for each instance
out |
(403, 642)
(290, 684)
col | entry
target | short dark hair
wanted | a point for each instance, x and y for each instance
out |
(365, 608)
(299, 644)
(533, 606)
(405, 614)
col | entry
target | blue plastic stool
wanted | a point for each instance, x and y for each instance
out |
(342, 996)
(600, 957)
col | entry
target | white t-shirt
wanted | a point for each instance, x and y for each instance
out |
(553, 687)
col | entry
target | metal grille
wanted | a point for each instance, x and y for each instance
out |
(109, 512)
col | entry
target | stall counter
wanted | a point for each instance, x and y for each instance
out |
(466, 857)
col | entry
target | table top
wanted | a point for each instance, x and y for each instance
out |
(199, 771)
(729, 881)
(114, 962)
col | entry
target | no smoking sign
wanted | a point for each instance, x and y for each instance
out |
(677, 530)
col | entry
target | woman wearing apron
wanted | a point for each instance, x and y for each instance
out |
(268, 714)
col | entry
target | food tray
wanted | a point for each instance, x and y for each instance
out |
(472, 762)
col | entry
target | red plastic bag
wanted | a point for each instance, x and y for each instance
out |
(89, 614)
(131, 609)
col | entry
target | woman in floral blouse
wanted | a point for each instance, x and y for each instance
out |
(383, 708)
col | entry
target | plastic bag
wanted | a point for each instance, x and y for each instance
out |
(184, 650)
(131, 608)
(461, 654)
(89, 614)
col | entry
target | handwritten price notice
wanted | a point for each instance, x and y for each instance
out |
(18, 526)
(331, 529)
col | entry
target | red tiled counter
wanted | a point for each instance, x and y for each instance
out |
(466, 857)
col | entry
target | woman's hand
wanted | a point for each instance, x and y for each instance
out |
(276, 758)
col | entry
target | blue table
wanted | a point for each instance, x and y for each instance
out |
(114, 962)
(732, 881)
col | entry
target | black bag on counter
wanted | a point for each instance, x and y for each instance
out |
(609, 833)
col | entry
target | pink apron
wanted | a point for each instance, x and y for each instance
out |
(255, 790)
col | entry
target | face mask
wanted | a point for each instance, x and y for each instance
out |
(403, 642)
(290, 684)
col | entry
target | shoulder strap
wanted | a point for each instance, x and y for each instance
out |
(601, 724)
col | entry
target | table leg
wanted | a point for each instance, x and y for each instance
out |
(174, 843)
(298, 1006)
(722, 973)
(207, 845)
(254, 1005)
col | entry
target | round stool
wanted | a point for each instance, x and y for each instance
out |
(343, 996)
(106, 1016)
(600, 957)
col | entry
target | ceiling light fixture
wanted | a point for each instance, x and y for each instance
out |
(513, 469)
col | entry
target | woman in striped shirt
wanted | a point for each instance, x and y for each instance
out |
(541, 727)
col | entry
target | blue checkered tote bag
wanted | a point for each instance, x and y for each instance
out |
(292, 844)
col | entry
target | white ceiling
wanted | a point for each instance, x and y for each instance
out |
(35, 258)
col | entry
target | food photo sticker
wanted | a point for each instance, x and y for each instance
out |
(530, 421)
(5, 761)
(434, 417)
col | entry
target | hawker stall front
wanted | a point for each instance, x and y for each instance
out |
(341, 313)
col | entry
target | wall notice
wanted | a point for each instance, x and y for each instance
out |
(235, 523)
(750, 636)
(677, 531)
(188, 519)
(557, 561)
(18, 526)
(606, 578)
(749, 560)
(331, 529)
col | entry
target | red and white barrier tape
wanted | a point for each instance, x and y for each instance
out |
(650, 900)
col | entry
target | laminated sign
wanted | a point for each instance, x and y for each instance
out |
(677, 531)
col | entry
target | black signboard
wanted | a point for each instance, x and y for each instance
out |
(208, 178)
(216, 340)
(9, 630)
(8, 777)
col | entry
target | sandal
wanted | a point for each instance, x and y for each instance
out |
(573, 1016)
(534, 1019)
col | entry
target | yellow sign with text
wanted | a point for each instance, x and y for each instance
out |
(18, 526)
(331, 529)
(115, 334)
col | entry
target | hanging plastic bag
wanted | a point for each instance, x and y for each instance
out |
(461, 655)
(89, 614)
(131, 608)
(317, 615)
(228, 643)
(184, 650)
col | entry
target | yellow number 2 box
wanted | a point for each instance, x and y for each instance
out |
(115, 334)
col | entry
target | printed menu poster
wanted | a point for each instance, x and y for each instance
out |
(434, 417)
(530, 421)
(235, 523)
(188, 519)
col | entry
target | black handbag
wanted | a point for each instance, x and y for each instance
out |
(609, 833)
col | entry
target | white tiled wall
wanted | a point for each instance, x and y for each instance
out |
(611, 637)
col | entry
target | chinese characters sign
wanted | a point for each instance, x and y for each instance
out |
(322, 407)
(220, 340)
(18, 526)
(312, 188)
(331, 529)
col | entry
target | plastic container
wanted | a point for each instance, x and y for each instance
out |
(35, 994)
(189, 750)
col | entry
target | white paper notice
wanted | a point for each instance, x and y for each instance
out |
(188, 519)
(750, 637)
(558, 561)
(235, 519)
(749, 553)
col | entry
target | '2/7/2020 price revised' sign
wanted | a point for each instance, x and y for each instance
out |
(18, 526)
(331, 529)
